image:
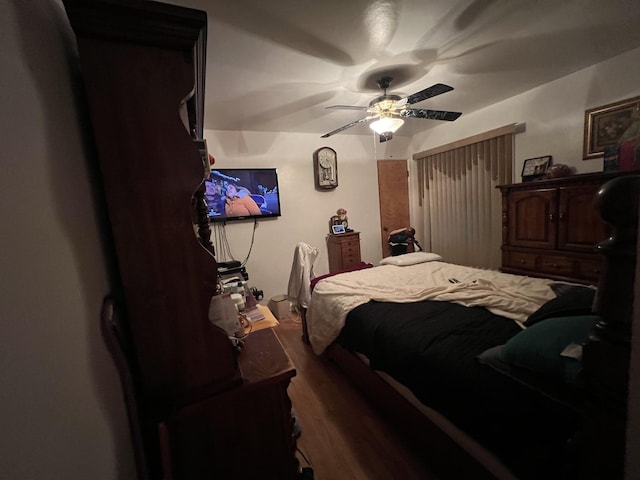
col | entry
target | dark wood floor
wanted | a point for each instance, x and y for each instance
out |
(342, 436)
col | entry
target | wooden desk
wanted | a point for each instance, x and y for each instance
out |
(264, 358)
(242, 433)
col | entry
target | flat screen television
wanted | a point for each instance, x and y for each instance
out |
(242, 193)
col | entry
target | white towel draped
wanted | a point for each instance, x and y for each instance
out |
(299, 289)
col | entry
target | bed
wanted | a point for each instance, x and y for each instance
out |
(488, 374)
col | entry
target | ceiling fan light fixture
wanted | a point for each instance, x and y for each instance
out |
(386, 124)
(389, 108)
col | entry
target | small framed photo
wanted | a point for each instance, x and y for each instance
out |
(535, 168)
(338, 229)
(604, 126)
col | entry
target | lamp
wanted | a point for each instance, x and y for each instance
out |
(386, 124)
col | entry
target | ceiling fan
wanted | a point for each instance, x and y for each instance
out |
(388, 110)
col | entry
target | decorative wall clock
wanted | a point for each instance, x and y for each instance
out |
(325, 168)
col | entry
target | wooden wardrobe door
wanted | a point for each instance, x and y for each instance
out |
(580, 228)
(534, 218)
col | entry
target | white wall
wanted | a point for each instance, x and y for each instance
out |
(553, 114)
(61, 406)
(305, 211)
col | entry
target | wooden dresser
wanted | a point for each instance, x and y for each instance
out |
(344, 251)
(244, 432)
(550, 228)
(204, 409)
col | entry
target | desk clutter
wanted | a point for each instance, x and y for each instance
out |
(232, 269)
(233, 279)
(236, 309)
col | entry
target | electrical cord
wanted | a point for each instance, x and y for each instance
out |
(222, 243)
(305, 473)
(253, 237)
(303, 455)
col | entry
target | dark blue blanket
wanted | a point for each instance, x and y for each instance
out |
(432, 348)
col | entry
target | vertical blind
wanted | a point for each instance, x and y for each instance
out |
(458, 198)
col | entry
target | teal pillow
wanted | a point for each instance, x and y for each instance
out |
(539, 347)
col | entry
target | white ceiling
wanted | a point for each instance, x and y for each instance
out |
(275, 65)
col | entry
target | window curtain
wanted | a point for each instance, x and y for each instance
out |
(458, 199)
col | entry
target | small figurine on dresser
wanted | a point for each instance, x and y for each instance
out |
(342, 215)
(559, 170)
(340, 218)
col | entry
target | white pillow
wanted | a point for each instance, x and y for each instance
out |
(411, 258)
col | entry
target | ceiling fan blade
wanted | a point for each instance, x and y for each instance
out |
(430, 114)
(432, 91)
(348, 125)
(347, 107)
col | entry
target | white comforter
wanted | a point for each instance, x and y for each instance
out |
(511, 296)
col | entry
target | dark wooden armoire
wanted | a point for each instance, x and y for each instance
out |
(205, 409)
(550, 228)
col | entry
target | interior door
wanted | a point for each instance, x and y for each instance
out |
(393, 193)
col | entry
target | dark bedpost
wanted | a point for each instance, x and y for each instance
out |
(202, 220)
(606, 355)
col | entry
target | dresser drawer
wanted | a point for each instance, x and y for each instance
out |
(350, 243)
(344, 251)
(521, 260)
(556, 264)
(349, 260)
(353, 249)
(590, 269)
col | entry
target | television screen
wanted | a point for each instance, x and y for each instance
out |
(242, 193)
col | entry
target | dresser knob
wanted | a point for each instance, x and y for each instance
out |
(522, 262)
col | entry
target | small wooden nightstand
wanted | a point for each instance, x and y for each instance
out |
(344, 251)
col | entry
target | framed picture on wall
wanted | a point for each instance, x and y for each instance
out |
(535, 168)
(603, 126)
